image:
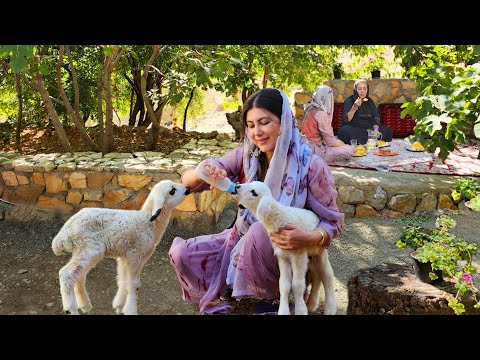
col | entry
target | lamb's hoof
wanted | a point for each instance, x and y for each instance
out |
(301, 310)
(118, 310)
(311, 307)
(69, 312)
(130, 313)
(86, 308)
(283, 311)
(330, 308)
(118, 304)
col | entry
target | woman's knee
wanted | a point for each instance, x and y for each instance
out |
(343, 134)
(256, 234)
(176, 252)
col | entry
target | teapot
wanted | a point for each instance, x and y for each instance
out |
(371, 135)
(372, 139)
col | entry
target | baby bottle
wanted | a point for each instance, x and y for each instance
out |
(203, 172)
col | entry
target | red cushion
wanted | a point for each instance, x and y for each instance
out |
(389, 115)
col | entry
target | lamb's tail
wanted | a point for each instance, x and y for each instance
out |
(62, 243)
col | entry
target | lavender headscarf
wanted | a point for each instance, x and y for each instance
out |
(290, 162)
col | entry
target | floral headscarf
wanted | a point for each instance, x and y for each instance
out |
(323, 100)
(287, 173)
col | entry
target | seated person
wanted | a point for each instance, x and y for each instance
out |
(360, 114)
(272, 152)
(317, 127)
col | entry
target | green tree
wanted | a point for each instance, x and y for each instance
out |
(448, 82)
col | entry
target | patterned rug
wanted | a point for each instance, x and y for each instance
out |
(460, 162)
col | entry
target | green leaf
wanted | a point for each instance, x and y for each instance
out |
(476, 129)
(19, 55)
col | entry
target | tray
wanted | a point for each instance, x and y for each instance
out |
(391, 153)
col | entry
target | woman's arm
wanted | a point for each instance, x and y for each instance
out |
(231, 162)
(322, 198)
(326, 129)
(349, 109)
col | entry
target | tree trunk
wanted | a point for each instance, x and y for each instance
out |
(110, 64)
(51, 111)
(393, 289)
(101, 130)
(186, 109)
(18, 85)
(156, 129)
(108, 139)
(75, 116)
(235, 121)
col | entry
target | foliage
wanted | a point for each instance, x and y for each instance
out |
(475, 203)
(466, 188)
(448, 83)
(375, 62)
(195, 109)
(229, 104)
(444, 250)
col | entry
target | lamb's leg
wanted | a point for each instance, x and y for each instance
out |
(69, 276)
(121, 296)
(328, 279)
(133, 270)
(284, 283)
(314, 296)
(67, 283)
(87, 261)
(299, 270)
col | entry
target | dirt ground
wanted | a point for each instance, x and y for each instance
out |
(29, 269)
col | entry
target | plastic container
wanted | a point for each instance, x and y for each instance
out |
(203, 172)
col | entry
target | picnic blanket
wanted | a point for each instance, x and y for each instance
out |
(459, 162)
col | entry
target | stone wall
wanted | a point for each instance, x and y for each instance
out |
(67, 183)
(382, 91)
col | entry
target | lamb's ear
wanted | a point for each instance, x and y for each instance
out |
(157, 207)
(264, 207)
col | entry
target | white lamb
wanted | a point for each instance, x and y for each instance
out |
(293, 264)
(130, 236)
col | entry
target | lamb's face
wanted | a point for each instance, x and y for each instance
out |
(167, 194)
(249, 194)
(173, 193)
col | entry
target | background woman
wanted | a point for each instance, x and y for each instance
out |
(318, 130)
(360, 114)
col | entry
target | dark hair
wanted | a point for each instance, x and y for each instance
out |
(269, 99)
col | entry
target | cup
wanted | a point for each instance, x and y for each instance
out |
(353, 142)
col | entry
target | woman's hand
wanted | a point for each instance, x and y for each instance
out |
(215, 171)
(292, 237)
(377, 134)
(358, 102)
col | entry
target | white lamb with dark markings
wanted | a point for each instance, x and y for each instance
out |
(130, 236)
(293, 264)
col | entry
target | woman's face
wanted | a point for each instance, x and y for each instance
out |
(263, 128)
(362, 89)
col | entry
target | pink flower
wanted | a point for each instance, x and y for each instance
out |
(466, 277)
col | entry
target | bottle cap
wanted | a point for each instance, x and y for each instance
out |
(231, 187)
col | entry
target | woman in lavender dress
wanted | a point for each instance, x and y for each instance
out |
(272, 152)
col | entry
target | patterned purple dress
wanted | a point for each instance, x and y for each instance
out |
(201, 263)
